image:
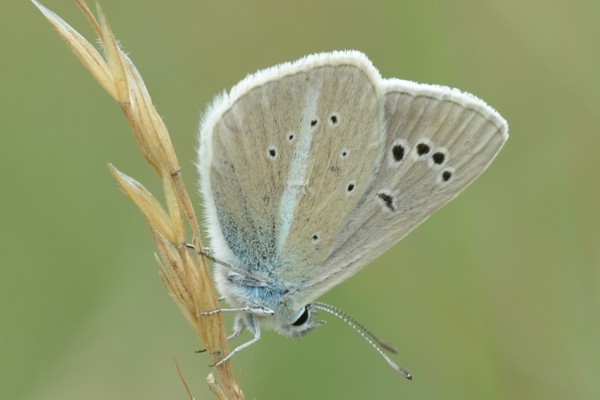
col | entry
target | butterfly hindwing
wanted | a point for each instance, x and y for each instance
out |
(346, 146)
(285, 157)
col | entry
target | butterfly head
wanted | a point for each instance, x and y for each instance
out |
(300, 323)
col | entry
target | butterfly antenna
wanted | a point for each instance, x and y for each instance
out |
(373, 340)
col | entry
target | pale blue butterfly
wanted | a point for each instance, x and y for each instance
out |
(312, 169)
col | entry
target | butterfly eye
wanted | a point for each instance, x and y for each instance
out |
(303, 318)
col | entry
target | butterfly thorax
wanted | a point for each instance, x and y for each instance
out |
(289, 317)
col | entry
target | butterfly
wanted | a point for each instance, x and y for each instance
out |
(310, 170)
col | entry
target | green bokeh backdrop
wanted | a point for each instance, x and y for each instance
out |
(495, 297)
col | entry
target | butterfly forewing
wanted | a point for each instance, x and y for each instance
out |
(437, 141)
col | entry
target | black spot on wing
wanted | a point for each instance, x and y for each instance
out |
(387, 200)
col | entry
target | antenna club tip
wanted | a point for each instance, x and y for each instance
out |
(409, 377)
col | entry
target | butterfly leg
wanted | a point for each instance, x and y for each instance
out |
(206, 252)
(258, 310)
(238, 326)
(241, 322)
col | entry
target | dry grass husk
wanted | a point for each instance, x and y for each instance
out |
(183, 271)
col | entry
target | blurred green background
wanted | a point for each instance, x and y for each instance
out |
(495, 297)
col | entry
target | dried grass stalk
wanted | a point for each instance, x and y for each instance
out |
(184, 273)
